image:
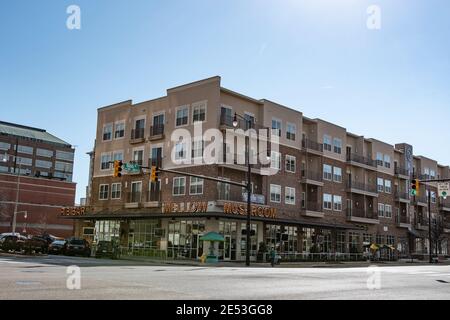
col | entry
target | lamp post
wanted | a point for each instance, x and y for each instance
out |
(5, 159)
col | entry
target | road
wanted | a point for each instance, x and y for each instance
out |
(46, 278)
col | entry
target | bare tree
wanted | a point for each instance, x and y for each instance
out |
(437, 232)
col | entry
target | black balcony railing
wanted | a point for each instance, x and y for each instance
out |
(362, 213)
(444, 204)
(134, 197)
(401, 171)
(312, 145)
(401, 195)
(137, 134)
(361, 186)
(227, 120)
(360, 159)
(312, 175)
(156, 130)
(157, 162)
(154, 195)
(400, 218)
(421, 199)
(422, 220)
(312, 206)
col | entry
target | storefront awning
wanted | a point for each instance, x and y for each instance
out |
(212, 237)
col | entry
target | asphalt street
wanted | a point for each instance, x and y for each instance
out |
(36, 278)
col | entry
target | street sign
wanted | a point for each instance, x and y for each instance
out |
(132, 167)
(443, 189)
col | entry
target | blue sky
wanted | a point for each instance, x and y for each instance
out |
(316, 56)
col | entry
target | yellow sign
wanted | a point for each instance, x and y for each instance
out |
(256, 211)
(188, 207)
(73, 211)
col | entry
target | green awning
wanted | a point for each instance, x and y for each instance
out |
(212, 236)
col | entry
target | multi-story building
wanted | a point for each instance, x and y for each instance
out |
(334, 193)
(36, 178)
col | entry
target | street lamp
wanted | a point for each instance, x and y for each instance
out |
(249, 185)
(5, 159)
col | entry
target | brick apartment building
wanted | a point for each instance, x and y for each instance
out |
(335, 193)
(36, 173)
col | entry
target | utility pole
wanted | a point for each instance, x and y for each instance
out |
(430, 249)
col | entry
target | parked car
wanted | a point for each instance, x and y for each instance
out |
(57, 247)
(12, 242)
(107, 249)
(76, 246)
(35, 244)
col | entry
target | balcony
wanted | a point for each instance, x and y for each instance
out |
(225, 195)
(422, 223)
(153, 198)
(156, 132)
(226, 121)
(362, 188)
(133, 200)
(312, 146)
(137, 135)
(420, 201)
(401, 172)
(444, 205)
(446, 227)
(360, 161)
(402, 197)
(312, 177)
(362, 216)
(312, 209)
(402, 221)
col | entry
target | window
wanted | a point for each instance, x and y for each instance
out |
(432, 174)
(327, 142)
(387, 161)
(136, 191)
(105, 161)
(180, 151)
(4, 169)
(156, 156)
(291, 131)
(4, 146)
(275, 160)
(388, 211)
(387, 186)
(199, 112)
(327, 172)
(337, 143)
(25, 149)
(197, 149)
(107, 132)
(196, 186)
(44, 153)
(337, 174)
(116, 190)
(249, 120)
(433, 197)
(276, 127)
(43, 164)
(118, 155)
(63, 166)
(290, 163)
(25, 161)
(138, 157)
(62, 155)
(182, 116)
(275, 193)
(337, 203)
(381, 210)
(179, 186)
(119, 131)
(380, 183)
(289, 195)
(327, 201)
(379, 159)
(103, 192)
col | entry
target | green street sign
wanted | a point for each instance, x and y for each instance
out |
(132, 167)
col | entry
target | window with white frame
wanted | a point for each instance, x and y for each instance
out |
(291, 131)
(107, 132)
(327, 172)
(432, 174)
(199, 112)
(289, 195)
(337, 203)
(116, 190)
(119, 130)
(138, 156)
(387, 186)
(103, 192)
(118, 156)
(379, 159)
(337, 143)
(327, 142)
(180, 151)
(337, 174)
(433, 197)
(182, 116)
(105, 161)
(196, 186)
(275, 193)
(388, 211)
(327, 201)
(276, 127)
(380, 185)
(275, 160)
(197, 148)
(290, 163)
(179, 186)
(387, 161)
(381, 210)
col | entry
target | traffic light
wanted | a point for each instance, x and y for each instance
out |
(415, 187)
(118, 168)
(154, 174)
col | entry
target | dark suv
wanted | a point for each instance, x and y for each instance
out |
(76, 246)
(13, 242)
(107, 249)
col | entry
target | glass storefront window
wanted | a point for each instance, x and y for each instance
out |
(284, 239)
(184, 239)
(253, 239)
(227, 249)
(144, 237)
(107, 231)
